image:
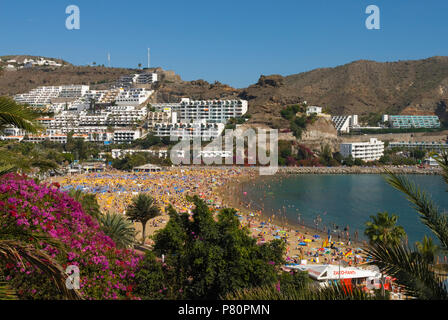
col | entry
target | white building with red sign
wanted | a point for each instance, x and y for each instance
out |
(328, 272)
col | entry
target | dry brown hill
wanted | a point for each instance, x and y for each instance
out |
(360, 87)
(20, 81)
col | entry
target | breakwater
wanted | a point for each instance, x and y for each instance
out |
(359, 170)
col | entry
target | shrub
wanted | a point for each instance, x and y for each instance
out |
(33, 209)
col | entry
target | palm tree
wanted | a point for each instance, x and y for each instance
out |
(428, 249)
(142, 209)
(118, 228)
(383, 228)
(414, 274)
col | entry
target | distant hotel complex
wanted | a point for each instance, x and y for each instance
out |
(123, 113)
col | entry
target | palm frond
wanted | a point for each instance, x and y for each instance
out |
(7, 292)
(6, 168)
(442, 160)
(429, 212)
(336, 291)
(12, 113)
(16, 252)
(118, 228)
(412, 271)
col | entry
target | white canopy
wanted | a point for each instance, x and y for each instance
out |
(324, 272)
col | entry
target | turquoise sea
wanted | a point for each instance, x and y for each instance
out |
(341, 200)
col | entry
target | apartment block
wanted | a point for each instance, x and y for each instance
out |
(132, 97)
(367, 151)
(126, 136)
(407, 122)
(423, 145)
(212, 111)
(204, 131)
(44, 95)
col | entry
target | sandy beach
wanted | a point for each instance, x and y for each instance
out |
(221, 188)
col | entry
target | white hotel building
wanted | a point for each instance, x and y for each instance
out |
(126, 135)
(44, 95)
(133, 97)
(205, 131)
(212, 111)
(344, 124)
(367, 151)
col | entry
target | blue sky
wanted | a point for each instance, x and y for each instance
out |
(229, 41)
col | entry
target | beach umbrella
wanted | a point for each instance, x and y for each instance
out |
(316, 236)
(302, 244)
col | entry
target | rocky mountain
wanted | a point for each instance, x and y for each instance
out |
(360, 87)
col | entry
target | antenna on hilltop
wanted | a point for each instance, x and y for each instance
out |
(108, 59)
(149, 57)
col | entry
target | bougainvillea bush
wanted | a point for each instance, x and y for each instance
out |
(28, 208)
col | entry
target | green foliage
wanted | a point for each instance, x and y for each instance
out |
(383, 229)
(147, 142)
(349, 161)
(81, 149)
(297, 280)
(142, 209)
(372, 119)
(414, 270)
(211, 258)
(129, 161)
(358, 162)
(418, 154)
(287, 292)
(289, 112)
(326, 156)
(284, 151)
(22, 117)
(391, 158)
(233, 122)
(118, 228)
(428, 249)
(297, 123)
(25, 157)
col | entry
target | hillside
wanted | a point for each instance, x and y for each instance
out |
(360, 87)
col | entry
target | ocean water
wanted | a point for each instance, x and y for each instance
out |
(341, 200)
